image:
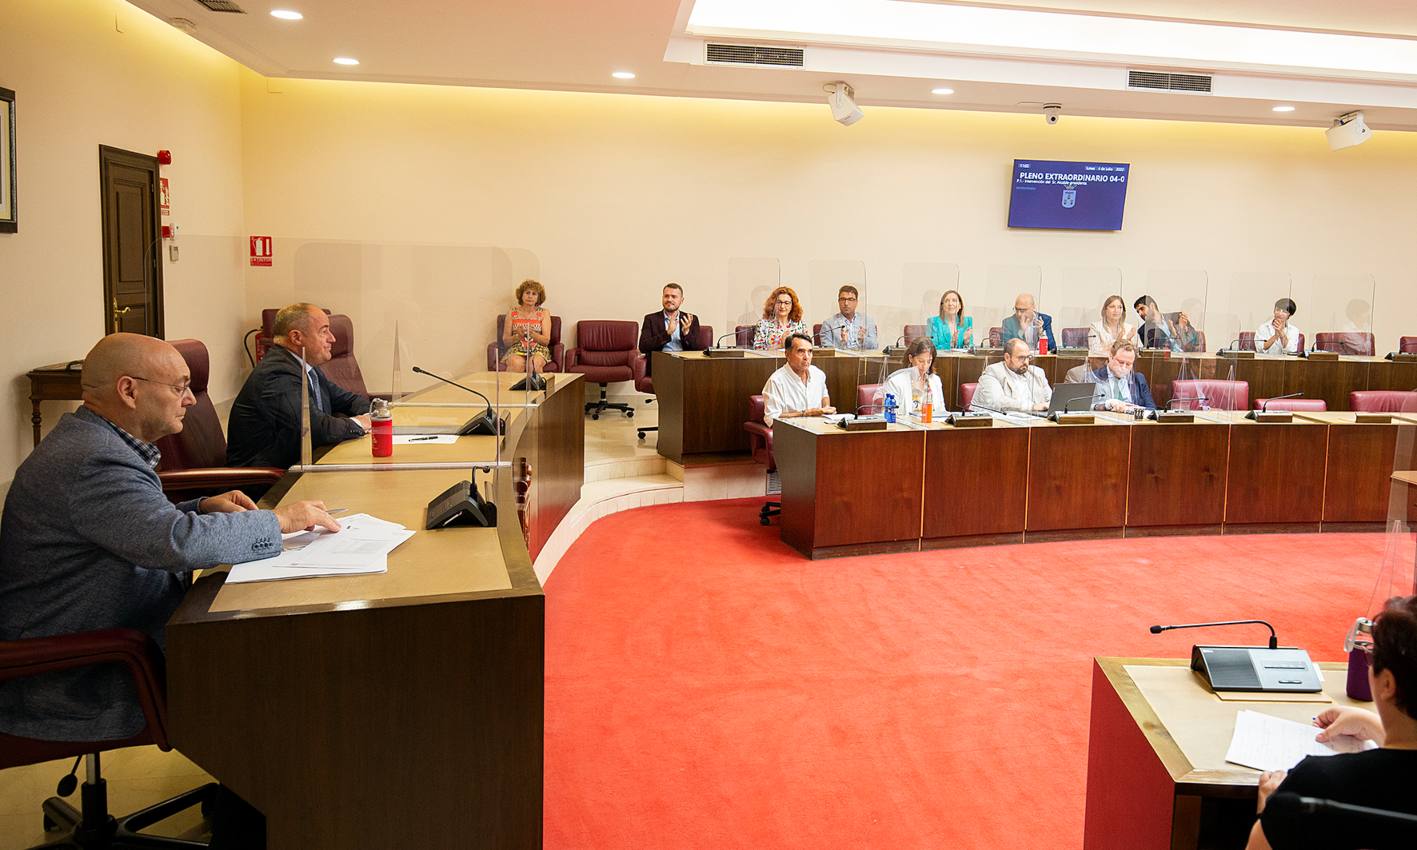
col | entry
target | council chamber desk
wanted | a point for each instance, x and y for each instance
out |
(703, 401)
(1157, 778)
(402, 709)
(926, 486)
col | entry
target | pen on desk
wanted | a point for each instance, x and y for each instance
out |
(420, 439)
(335, 510)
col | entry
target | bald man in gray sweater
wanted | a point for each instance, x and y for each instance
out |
(89, 541)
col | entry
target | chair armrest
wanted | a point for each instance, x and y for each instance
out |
(213, 480)
(133, 649)
(558, 356)
(637, 367)
(572, 358)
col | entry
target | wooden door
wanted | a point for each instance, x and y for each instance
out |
(132, 255)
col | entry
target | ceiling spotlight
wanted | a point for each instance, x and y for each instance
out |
(942, 90)
(287, 15)
(346, 60)
(1348, 130)
(843, 107)
(1284, 108)
(623, 75)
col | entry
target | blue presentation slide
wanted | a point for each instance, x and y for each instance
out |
(1068, 195)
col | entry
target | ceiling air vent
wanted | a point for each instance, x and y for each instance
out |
(753, 54)
(223, 6)
(1163, 81)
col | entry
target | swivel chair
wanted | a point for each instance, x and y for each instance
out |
(760, 444)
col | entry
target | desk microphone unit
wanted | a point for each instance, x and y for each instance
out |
(862, 423)
(898, 349)
(485, 423)
(1264, 414)
(1234, 352)
(1273, 669)
(460, 505)
(970, 419)
(1068, 416)
(531, 382)
(717, 351)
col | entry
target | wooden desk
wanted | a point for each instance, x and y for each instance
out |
(395, 710)
(1157, 778)
(1115, 477)
(56, 382)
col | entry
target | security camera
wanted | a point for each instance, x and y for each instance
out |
(843, 107)
(1052, 112)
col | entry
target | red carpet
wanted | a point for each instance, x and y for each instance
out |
(706, 686)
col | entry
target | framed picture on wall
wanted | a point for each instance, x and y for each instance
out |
(9, 221)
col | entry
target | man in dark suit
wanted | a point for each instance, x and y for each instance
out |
(671, 329)
(264, 427)
(1120, 387)
(1028, 324)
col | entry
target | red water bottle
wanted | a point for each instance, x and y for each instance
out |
(1042, 344)
(382, 426)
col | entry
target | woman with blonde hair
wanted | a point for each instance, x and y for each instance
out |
(782, 317)
(527, 332)
(1112, 329)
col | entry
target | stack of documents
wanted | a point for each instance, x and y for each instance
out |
(362, 545)
(1266, 742)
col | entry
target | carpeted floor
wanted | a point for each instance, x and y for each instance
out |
(706, 686)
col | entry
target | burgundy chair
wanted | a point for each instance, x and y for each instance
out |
(1407, 345)
(644, 382)
(1074, 338)
(866, 398)
(760, 444)
(1346, 342)
(605, 353)
(194, 459)
(1247, 341)
(996, 337)
(1298, 405)
(91, 825)
(817, 334)
(966, 395)
(914, 332)
(343, 369)
(495, 349)
(1383, 401)
(1217, 395)
(743, 335)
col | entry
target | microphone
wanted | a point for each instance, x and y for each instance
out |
(486, 424)
(1273, 638)
(1067, 405)
(1290, 805)
(1174, 399)
(1232, 345)
(1033, 413)
(1264, 408)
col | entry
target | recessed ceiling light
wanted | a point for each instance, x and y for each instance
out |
(346, 60)
(623, 75)
(287, 15)
(942, 90)
(1285, 108)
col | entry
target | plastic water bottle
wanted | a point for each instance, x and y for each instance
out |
(382, 426)
(889, 407)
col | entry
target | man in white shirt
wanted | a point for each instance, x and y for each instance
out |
(1013, 384)
(797, 389)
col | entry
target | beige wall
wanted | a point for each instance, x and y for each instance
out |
(615, 194)
(81, 83)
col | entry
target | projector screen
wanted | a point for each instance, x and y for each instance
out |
(1068, 195)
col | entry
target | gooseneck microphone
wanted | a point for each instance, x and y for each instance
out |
(487, 423)
(718, 342)
(1273, 638)
(1174, 399)
(1290, 805)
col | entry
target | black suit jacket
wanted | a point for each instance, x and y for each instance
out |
(653, 336)
(264, 427)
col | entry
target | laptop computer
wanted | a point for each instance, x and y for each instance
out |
(1072, 398)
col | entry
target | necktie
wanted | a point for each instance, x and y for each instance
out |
(314, 390)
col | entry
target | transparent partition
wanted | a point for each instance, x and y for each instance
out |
(1003, 287)
(1242, 303)
(835, 306)
(749, 282)
(1335, 312)
(931, 304)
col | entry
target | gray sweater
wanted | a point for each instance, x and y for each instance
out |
(89, 541)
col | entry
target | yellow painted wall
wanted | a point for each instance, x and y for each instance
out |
(81, 83)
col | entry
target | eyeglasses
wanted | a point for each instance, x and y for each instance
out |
(180, 389)
(846, 298)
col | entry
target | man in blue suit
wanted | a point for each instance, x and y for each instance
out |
(1121, 388)
(1028, 324)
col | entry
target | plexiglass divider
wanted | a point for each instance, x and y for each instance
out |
(749, 281)
(839, 319)
(1242, 301)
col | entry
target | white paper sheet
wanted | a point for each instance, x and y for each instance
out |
(1266, 742)
(361, 546)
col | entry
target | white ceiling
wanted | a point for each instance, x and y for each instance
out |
(575, 44)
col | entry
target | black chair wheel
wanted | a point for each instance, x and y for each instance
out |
(765, 520)
(50, 825)
(641, 433)
(595, 416)
(629, 414)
